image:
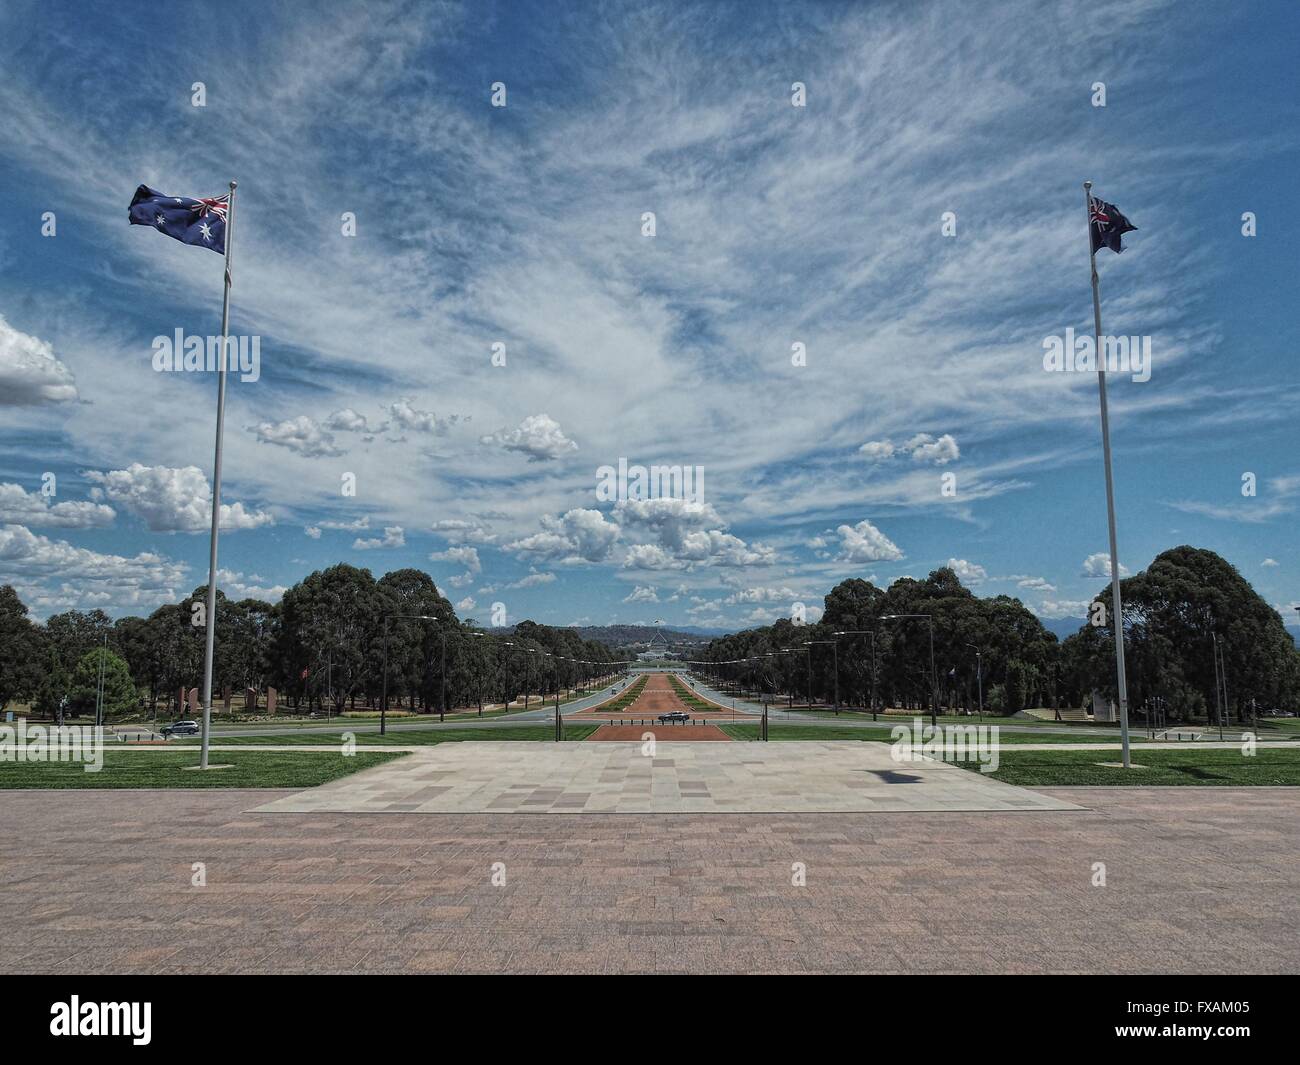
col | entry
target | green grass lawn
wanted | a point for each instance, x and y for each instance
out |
(943, 719)
(165, 769)
(344, 722)
(881, 733)
(1207, 768)
(406, 737)
(223, 721)
(1278, 727)
(894, 719)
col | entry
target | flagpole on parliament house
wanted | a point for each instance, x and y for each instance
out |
(1117, 606)
(211, 614)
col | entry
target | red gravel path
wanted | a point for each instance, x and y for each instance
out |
(657, 697)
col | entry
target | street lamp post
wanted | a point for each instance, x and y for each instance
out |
(979, 674)
(934, 679)
(807, 649)
(479, 672)
(835, 653)
(442, 677)
(872, 634)
(99, 687)
(383, 700)
(789, 692)
(1220, 693)
(526, 670)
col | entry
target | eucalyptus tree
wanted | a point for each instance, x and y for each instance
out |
(20, 649)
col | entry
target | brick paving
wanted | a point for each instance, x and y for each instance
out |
(1198, 881)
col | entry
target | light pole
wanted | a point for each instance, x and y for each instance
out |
(383, 700)
(559, 725)
(479, 635)
(934, 680)
(99, 686)
(807, 649)
(1220, 695)
(790, 689)
(835, 653)
(524, 649)
(872, 634)
(979, 674)
(528, 672)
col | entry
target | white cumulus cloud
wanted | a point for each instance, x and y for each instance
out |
(967, 572)
(538, 436)
(419, 421)
(863, 542)
(171, 499)
(349, 421)
(393, 536)
(463, 556)
(642, 593)
(300, 434)
(877, 450)
(577, 535)
(1098, 565)
(30, 373)
(20, 507)
(925, 448)
(144, 581)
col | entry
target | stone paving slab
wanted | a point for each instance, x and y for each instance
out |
(848, 776)
(694, 733)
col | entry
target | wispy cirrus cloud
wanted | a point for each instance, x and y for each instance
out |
(775, 225)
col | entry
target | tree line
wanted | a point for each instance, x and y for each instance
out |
(1186, 604)
(324, 642)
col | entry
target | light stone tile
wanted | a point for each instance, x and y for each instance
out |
(613, 777)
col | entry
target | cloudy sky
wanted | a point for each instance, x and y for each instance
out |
(862, 383)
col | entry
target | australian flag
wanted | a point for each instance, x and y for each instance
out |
(201, 222)
(1108, 225)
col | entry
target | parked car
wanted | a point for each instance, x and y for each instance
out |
(674, 715)
(181, 728)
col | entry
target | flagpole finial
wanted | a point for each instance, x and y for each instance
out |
(232, 185)
(1086, 184)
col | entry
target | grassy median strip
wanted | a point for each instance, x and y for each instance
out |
(1207, 768)
(882, 733)
(688, 696)
(408, 737)
(625, 698)
(168, 769)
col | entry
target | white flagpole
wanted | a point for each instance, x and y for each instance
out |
(211, 615)
(1117, 605)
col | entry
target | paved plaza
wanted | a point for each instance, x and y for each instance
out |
(620, 778)
(1198, 880)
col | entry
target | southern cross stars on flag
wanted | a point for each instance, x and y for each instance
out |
(191, 221)
(1108, 225)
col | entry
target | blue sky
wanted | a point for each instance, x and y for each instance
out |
(523, 225)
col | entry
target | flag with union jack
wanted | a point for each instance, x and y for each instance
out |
(1108, 225)
(201, 222)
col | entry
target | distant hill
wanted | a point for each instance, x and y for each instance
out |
(1064, 627)
(633, 635)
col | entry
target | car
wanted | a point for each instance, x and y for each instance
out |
(674, 715)
(181, 728)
